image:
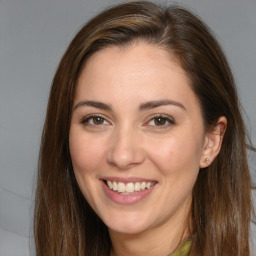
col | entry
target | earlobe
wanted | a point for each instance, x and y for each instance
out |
(213, 142)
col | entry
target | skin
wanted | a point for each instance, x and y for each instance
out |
(130, 141)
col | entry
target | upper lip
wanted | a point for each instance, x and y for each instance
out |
(127, 180)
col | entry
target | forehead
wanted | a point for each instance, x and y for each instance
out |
(138, 71)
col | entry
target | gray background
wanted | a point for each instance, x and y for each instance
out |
(33, 37)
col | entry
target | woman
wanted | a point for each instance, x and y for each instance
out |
(143, 149)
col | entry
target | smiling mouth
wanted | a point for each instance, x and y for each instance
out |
(130, 187)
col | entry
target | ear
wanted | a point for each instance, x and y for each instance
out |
(212, 143)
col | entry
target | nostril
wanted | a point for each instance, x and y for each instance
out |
(125, 158)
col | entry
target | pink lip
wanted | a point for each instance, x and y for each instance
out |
(126, 199)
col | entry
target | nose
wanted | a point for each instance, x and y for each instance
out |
(125, 149)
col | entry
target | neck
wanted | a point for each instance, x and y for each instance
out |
(160, 240)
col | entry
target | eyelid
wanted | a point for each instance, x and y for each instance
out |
(86, 118)
(168, 118)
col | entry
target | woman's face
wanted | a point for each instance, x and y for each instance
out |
(136, 138)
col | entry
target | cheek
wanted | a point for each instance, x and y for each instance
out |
(85, 153)
(85, 156)
(177, 154)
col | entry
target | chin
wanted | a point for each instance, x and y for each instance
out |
(127, 229)
(129, 224)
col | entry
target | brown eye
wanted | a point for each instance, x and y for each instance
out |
(94, 120)
(97, 120)
(160, 121)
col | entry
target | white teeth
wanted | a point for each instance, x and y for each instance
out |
(110, 184)
(114, 186)
(121, 187)
(130, 187)
(137, 186)
(148, 185)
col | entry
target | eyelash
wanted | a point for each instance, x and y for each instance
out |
(164, 118)
(85, 121)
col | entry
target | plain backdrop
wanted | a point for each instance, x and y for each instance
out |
(33, 36)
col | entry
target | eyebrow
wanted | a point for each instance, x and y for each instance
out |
(159, 103)
(94, 104)
(143, 106)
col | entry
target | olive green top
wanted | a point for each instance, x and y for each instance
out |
(183, 249)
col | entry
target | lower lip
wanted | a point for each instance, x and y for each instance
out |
(126, 199)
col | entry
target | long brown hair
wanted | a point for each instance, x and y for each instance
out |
(221, 210)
